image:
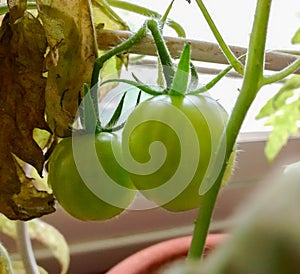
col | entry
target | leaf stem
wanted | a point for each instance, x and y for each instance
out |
(236, 64)
(250, 87)
(148, 13)
(25, 248)
(281, 74)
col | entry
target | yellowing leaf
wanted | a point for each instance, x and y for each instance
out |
(18, 268)
(5, 262)
(52, 239)
(46, 234)
(70, 35)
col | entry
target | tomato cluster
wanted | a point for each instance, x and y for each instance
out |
(170, 149)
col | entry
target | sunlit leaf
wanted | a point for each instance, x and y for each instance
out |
(22, 100)
(46, 234)
(41, 137)
(282, 112)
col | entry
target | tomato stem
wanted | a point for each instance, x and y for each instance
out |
(99, 62)
(250, 87)
(163, 52)
(236, 64)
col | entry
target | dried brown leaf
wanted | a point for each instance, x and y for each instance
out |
(22, 104)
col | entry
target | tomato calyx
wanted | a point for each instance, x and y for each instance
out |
(89, 115)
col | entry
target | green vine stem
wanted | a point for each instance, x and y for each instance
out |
(147, 13)
(237, 65)
(164, 54)
(250, 87)
(115, 51)
(25, 248)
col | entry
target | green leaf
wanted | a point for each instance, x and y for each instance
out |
(284, 125)
(296, 37)
(166, 14)
(90, 112)
(283, 114)
(285, 92)
(181, 78)
(115, 118)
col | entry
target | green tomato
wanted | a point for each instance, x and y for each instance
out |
(69, 178)
(170, 144)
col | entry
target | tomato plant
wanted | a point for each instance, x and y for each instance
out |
(69, 188)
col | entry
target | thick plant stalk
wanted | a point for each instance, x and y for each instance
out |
(250, 87)
(201, 51)
(25, 248)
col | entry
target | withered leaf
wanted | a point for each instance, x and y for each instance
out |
(22, 104)
(70, 34)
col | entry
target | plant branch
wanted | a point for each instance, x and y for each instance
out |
(281, 74)
(25, 248)
(232, 59)
(163, 52)
(99, 62)
(250, 87)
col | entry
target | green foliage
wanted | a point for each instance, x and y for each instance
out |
(296, 37)
(282, 113)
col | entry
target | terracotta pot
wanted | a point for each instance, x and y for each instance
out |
(150, 259)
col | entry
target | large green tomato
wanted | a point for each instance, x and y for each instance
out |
(70, 179)
(170, 143)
